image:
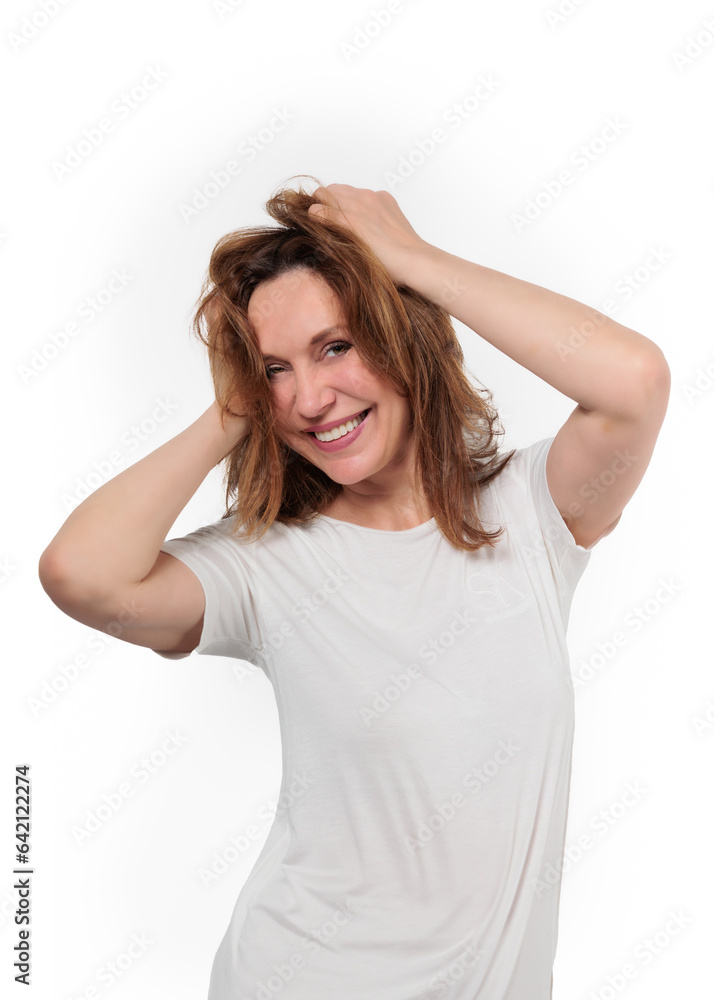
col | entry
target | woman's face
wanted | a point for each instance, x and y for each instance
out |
(324, 384)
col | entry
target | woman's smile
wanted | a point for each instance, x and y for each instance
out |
(341, 436)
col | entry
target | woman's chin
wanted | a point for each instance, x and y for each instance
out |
(346, 473)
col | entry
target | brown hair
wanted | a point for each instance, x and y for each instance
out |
(402, 337)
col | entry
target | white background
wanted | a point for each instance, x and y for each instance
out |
(351, 116)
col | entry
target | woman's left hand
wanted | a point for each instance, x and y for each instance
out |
(376, 217)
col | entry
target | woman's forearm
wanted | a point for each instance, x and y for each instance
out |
(586, 355)
(113, 537)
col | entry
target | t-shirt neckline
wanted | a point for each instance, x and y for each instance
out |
(384, 531)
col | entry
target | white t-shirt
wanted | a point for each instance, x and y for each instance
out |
(426, 712)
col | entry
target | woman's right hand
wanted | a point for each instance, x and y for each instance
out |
(234, 423)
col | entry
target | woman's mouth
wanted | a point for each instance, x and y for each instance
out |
(342, 436)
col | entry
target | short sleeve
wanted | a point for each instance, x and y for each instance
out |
(231, 623)
(548, 532)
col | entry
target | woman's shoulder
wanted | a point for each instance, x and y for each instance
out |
(278, 534)
(523, 467)
(516, 492)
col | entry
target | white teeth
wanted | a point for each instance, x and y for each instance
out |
(338, 432)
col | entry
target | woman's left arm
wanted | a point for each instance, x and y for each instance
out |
(619, 379)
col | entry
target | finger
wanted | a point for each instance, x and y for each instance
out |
(324, 195)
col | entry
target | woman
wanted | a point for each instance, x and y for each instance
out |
(404, 586)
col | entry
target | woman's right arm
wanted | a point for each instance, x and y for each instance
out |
(104, 567)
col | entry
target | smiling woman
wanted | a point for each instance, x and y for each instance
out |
(405, 588)
(274, 301)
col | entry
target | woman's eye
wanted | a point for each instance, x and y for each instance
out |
(271, 370)
(338, 343)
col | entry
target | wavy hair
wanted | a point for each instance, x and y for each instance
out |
(404, 338)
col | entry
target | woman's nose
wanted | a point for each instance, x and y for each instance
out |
(312, 394)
